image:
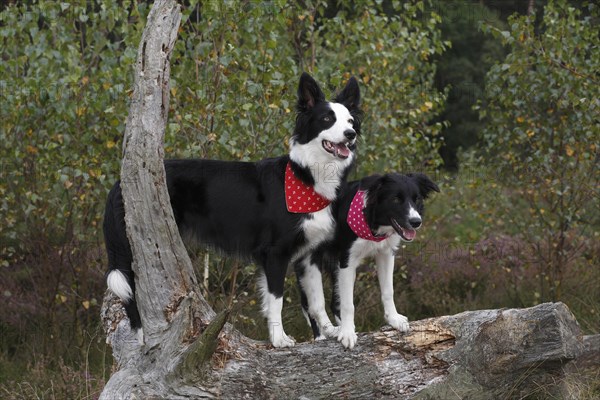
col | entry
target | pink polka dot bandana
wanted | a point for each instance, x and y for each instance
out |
(299, 197)
(357, 221)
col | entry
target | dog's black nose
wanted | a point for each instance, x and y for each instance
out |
(350, 134)
(415, 222)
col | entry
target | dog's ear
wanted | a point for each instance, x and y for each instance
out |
(350, 96)
(425, 184)
(309, 93)
(372, 184)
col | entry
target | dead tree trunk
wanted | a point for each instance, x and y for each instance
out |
(191, 353)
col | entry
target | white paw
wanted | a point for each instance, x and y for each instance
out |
(280, 339)
(347, 337)
(398, 321)
(330, 331)
(320, 338)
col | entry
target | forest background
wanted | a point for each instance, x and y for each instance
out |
(497, 101)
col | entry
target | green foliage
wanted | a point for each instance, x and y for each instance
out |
(542, 129)
(67, 77)
(64, 81)
(234, 84)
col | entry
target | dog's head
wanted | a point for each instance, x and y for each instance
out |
(325, 131)
(395, 203)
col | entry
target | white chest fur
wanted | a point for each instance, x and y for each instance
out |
(318, 229)
(362, 248)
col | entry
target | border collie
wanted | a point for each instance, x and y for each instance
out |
(372, 216)
(272, 211)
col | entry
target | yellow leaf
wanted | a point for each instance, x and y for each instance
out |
(569, 151)
(86, 304)
(106, 85)
(85, 80)
(520, 120)
(530, 133)
(63, 298)
(410, 68)
(110, 144)
(31, 150)
(68, 184)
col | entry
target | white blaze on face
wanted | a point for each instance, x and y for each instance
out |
(343, 123)
(326, 168)
(312, 154)
(413, 214)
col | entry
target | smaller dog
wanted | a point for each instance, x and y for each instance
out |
(373, 215)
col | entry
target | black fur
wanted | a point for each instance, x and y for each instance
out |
(390, 196)
(236, 207)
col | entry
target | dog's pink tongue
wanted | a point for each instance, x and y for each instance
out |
(342, 149)
(409, 233)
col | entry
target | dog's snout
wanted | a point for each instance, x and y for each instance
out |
(350, 134)
(415, 222)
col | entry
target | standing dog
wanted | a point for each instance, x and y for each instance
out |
(272, 211)
(373, 215)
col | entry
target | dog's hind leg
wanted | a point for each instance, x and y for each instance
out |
(335, 294)
(299, 269)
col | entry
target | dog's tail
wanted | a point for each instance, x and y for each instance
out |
(120, 279)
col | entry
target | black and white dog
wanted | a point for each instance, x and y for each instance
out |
(372, 216)
(273, 211)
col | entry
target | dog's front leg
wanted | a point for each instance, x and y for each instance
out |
(385, 273)
(347, 334)
(311, 286)
(271, 284)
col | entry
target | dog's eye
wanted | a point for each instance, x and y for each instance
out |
(327, 118)
(351, 121)
(395, 200)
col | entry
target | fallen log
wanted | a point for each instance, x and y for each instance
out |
(483, 354)
(190, 352)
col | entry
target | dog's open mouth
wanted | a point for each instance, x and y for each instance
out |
(405, 233)
(339, 150)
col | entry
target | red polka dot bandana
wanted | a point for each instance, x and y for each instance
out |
(357, 221)
(299, 197)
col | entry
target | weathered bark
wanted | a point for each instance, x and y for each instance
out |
(487, 354)
(172, 312)
(189, 353)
